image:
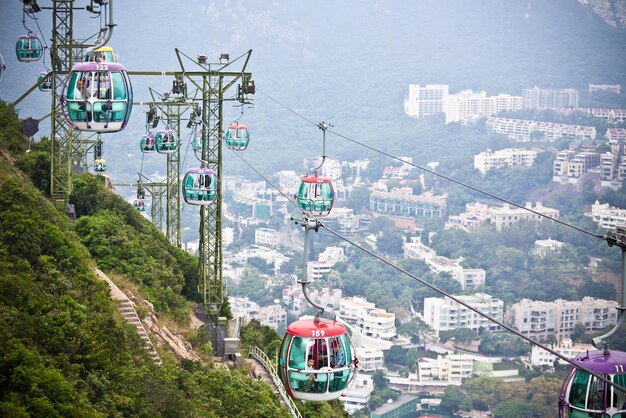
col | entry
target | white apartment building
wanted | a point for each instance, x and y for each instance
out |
(267, 237)
(470, 278)
(508, 157)
(444, 314)
(424, 101)
(273, 315)
(539, 320)
(565, 347)
(475, 213)
(607, 216)
(506, 216)
(537, 98)
(359, 392)
(451, 368)
(467, 105)
(372, 321)
(370, 359)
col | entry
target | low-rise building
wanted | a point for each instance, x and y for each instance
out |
(509, 157)
(613, 88)
(565, 347)
(444, 314)
(266, 237)
(404, 203)
(506, 215)
(607, 216)
(526, 130)
(544, 247)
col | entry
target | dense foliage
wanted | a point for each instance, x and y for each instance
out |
(539, 396)
(121, 240)
(64, 351)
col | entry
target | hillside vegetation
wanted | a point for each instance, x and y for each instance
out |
(64, 350)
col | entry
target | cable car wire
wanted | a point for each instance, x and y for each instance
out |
(438, 290)
(460, 183)
(466, 305)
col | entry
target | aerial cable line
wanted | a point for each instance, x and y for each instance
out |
(460, 183)
(466, 305)
(440, 291)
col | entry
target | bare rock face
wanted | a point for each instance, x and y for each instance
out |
(174, 342)
(613, 12)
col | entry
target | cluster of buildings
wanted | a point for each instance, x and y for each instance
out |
(571, 164)
(435, 99)
(504, 216)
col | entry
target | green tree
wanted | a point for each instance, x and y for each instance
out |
(455, 399)
(518, 409)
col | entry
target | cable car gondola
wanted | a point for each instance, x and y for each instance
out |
(585, 396)
(166, 141)
(45, 83)
(28, 48)
(102, 54)
(98, 97)
(196, 143)
(316, 360)
(200, 186)
(237, 137)
(139, 204)
(100, 165)
(147, 144)
(315, 195)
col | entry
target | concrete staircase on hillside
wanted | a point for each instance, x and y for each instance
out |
(127, 309)
(130, 315)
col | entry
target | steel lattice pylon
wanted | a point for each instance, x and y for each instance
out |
(62, 136)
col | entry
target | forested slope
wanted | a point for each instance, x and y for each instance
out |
(64, 350)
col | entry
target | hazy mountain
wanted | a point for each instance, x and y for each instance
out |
(347, 62)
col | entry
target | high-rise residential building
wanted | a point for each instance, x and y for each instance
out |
(424, 101)
(467, 105)
(444, 314)
(433, 99)
(540, 320)
(537, 98)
